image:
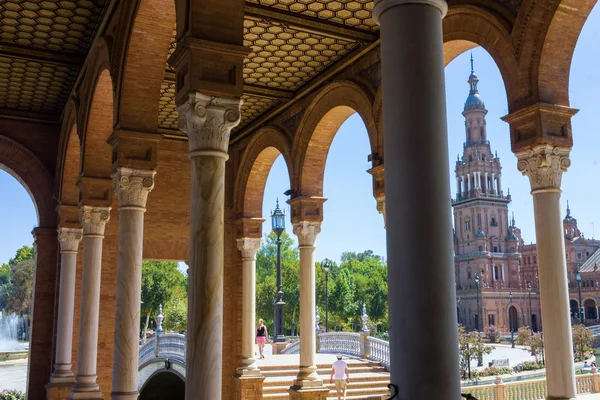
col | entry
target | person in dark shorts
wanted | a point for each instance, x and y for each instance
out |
(261, 337)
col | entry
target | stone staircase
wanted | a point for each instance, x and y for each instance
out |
(368, 380)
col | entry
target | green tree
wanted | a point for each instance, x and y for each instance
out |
(161, 281)
(582, 341)
(523, 336)
(175, 311)
(19, 301)
(470, 346)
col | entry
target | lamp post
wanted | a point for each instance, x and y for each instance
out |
(278, 225)
(458, 304)
(510, 322)
(530, 309)
(326, 265)
(479, 356)
(578, 278)
(477, 278)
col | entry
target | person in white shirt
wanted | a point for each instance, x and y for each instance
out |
(339, 372)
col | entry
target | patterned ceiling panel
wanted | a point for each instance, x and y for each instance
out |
(354, 13)
(252, 108)
(285, 57)
(167, 113)
(34, 87)
(63, 26)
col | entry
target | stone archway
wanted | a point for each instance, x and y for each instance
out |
(163, 385)
(574, 306)
(590, 309)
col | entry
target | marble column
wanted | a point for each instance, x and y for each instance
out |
(544, 165)
(208, 122)
(248, 247)
(307, 376)
(422, 327)
(93, 220)
(131, 187)
(69, 244)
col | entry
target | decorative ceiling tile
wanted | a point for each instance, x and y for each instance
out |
(36, 87)
(167, 112)
(286, 58)
(65, 26)
(354, 13)
(253, 107)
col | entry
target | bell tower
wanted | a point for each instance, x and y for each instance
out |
(485, 242)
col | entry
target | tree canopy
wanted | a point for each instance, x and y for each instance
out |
(16, 282)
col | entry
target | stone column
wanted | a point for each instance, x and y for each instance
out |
(308, 384)
(69, 244)
(208, 122)
(248, 247)
(131, 187)
(248, 377)
(421, 327)
(544, 165)
(93, 220)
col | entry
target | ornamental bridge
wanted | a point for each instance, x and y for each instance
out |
(164, 356)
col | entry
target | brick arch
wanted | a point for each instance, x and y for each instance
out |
(144, 65)
(552, 77)
(68, 166)
(25, 167)
(333, 105)
(466, 27)
(262, 151)
(96, 155)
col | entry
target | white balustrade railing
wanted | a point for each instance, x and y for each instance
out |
(339, 342)
(378, 350)
(166, 345)
(487, 392)
(292, 348)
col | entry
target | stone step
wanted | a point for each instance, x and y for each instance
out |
(352, 363)
(321, 371)
(360, 393)
(365, 385)
(358, 377)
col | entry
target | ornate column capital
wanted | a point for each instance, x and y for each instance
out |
(381, 206)
(93, 220)
(382, 6)
(208, 122)
(248, 246)
(307, 232)
(544, 165)
(69, 239)
(132, 187)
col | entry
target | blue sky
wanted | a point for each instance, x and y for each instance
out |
(351, 220)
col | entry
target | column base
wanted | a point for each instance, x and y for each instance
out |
(125, 395)
(59, 391)
(308, 393)
(249, 387)
(77, 394)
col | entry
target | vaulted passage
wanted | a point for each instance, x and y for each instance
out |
(163, 385)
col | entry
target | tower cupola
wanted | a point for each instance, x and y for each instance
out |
(474, 101)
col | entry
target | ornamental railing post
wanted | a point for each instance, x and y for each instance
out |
(595, 380)
(500, 386)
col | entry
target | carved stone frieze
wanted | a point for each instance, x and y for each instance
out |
(94, 219)
(208, 121)
(544, 165)
(69, 239)
(132, 186)
(248, 246)
(307, 232)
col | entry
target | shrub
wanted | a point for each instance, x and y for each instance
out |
(529, 366)
(492, 334)
(12, 395)
(492, 371)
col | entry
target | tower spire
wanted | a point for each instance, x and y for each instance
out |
(472, 69)
(568, 209)
(513, 219)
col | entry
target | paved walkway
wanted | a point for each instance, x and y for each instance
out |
(13, 375)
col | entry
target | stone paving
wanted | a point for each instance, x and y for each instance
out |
(13, 375)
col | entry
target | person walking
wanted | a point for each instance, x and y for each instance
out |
(261, 337)
(339, 372)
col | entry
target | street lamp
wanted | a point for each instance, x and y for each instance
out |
(477, 278)
(510, 322)
(578, 278)
(530, 309)
(278, 225)
(479, 356)
(326, 265)
(458, 304)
